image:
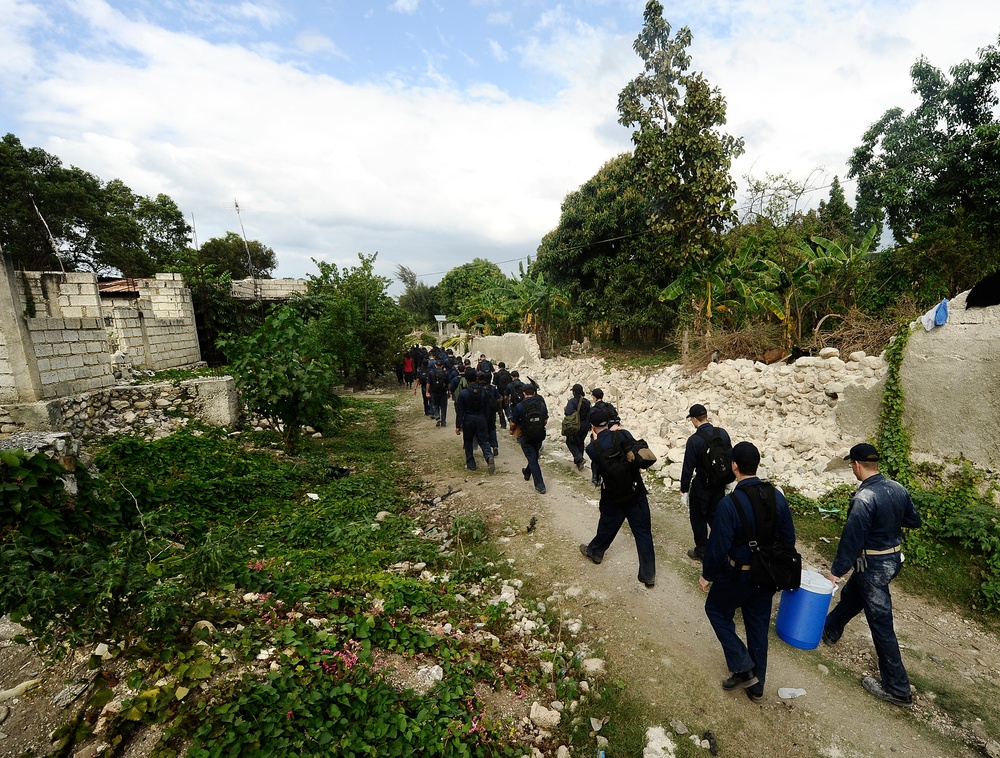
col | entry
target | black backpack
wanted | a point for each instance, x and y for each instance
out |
(717, 464)
(533, 428)
(619, 472)
(774, 564)
(516, 392)
(475, 404)
(439, 382)
(501, 379)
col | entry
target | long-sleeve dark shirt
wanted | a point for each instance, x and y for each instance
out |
(879, 510)
(727, 540)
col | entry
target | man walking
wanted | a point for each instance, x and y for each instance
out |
(527, 424)
(870, 543)
(701, 486)
(470, 421)
(725, 567)
(623, 497)
(577, 408)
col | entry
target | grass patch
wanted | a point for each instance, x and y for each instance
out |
(176, 375)
(317, 614)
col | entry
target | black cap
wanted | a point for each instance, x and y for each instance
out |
(470, 375)
(598, 418)
(863, 452)
(501, 364)
(697, 411)
(578, 389)
(598, 393)
(746, 455)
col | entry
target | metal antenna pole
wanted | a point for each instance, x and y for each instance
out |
(246, 246)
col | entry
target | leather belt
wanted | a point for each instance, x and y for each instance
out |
(742, 568)
(887, 551)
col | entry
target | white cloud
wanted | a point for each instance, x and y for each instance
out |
(434, 175)
(312, 41)
(497, 49)
(405, 6)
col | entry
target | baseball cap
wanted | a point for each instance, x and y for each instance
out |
(598, 393)
(598, 418)
(862, 452)
(745, 455)
(697, 411)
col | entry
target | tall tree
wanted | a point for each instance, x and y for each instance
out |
(837, 216)
(936, 169)
(462, 282)
(419, 300)
(605, 258)
(229, 254)
(362, 326)
(55, 217)
(684, 159)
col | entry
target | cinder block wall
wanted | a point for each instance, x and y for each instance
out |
(71, 354)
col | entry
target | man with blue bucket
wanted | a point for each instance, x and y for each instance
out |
(726, 567)
(870, 543)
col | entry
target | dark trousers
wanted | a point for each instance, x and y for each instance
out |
(491, 429)
(440, 407)
(473, 431)
(730, 592)
(701, 511)
(503, 418)
(868, 591)
(613, 515)
(576, 445)
(427, 403)
(531, 452)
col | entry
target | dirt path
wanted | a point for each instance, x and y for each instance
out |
(660, 643)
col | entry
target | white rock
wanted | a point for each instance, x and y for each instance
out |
(544, 718)
(658, 744)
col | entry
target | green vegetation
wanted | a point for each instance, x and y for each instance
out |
(276, 553)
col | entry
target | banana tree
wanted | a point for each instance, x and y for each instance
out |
(711, 283)
(825, 271)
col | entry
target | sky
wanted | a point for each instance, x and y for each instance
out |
(432, 132)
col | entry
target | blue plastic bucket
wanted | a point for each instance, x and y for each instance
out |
(802, 612)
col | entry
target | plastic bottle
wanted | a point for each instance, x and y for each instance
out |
(788, 693)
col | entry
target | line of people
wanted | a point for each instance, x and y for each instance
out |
(724, 496)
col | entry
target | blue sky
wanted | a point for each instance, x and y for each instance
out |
(435, 131)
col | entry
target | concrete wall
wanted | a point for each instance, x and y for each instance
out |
(513, 348)
(56, 334)
(951, 384)
(268, 289)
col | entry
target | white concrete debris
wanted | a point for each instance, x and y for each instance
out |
(790, 412)
(658, 744)
(544, 718)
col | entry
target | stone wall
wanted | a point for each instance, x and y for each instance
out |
(150, 411)
(791, 412)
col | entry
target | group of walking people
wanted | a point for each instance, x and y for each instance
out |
(870, 545)
(725, 498)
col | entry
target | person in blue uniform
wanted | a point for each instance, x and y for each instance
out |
(870, 543)
(621, 501)
(725, 577)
